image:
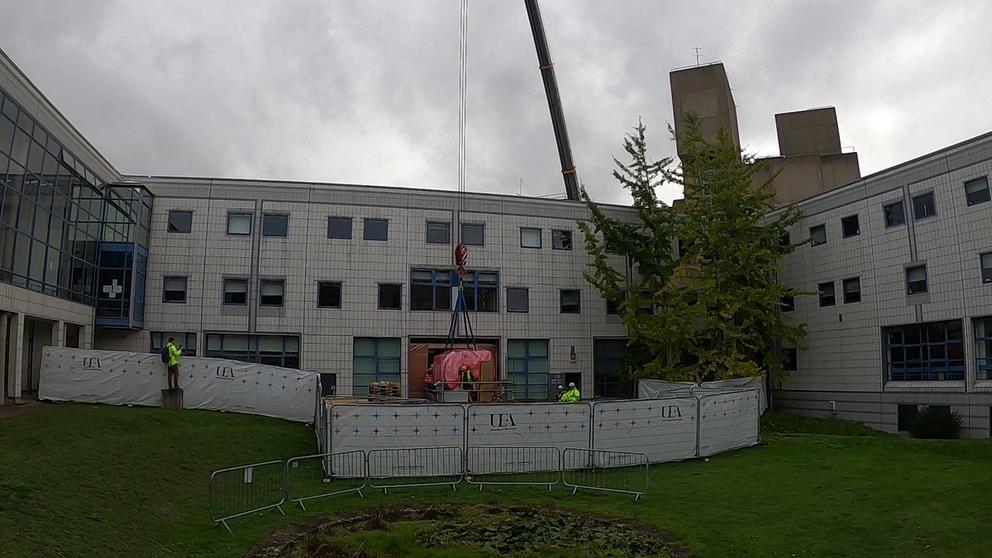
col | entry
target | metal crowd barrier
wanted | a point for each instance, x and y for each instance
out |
(325, 474)
(513, 465)
(605, 470)
(415, 467)
(243, 490)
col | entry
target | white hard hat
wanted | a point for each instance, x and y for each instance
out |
(571, 384)
(561, 386)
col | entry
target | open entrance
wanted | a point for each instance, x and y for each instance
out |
(423, 350)
(37, 334)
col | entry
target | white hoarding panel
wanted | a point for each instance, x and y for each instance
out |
(663, 429)
(728, 421)
(555, 425)
(385, 426)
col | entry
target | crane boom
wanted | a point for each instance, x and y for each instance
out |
(554, 101)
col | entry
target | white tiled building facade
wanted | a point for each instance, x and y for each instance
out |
(330, 277)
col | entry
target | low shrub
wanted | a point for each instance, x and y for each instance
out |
(935, 422)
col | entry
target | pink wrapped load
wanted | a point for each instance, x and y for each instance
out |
(448, 364)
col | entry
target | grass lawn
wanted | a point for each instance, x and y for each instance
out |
(99, 481)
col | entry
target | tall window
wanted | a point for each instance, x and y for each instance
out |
(530, 238)
(827, 297)
(239, 224)
(474, 234)
(983, 347)
(924, 206)
(430, 289)
(274, 350)
(527, 368)
(895, 214)
(788, 303)
(517, 300)
(438, 232)
(916, 279)
(850, 226)
(977, 191)
(375, 359)
(339, 227)
(180, 221)
(852, 290)
(187, 340)
(932, 351)
(376, 229)
(610, 363)
(790, 359)
(390, 296)
(818, 234)
(271, 292)
(329, 294)
(570, 301)
(174, 289)
(561, 240)
(481, 291)
(985, 260)
(275, 224)
(236, 291)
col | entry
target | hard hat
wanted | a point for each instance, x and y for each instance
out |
(571, 384)
(561, 386)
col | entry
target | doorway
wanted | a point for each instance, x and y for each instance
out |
(421, 354)
(37, 334)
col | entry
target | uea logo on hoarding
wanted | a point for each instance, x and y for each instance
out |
(224, 372)
(91, 363)
(502, 421)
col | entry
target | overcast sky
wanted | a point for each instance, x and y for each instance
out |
(365, 91)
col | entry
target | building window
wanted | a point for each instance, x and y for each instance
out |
(924, 206)
(818, 234)
(785, 240)
(570, 301)
(850, 227)
(788, 303)
(339, 228)
(826, 291)
(481, 291)
(187, 340)
(977, 191)
(789, 359)
(390, 296)
(983, 347)
(932, 351)
(275, 224)
(612, 308)
(438, 232)
(474, 234)
(430, 289)
(895, 214)
(180, 221)
(271, 291)
(561, 240)
(517, 300)
(236, 291)
(375, 359)
(174, 289)
(273, 350)
(328, 294)
(239, 224)
(916, 279)
(376, 229)
(852, 290)
(530, 238)
(527, 368)
(986, 263)
(645, 303)
(906, 415)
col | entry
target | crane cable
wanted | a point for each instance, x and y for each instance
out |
(462, 107)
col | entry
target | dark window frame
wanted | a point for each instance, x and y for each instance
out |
(267, 223)
(340, 288)
(518, 367)
(175, 229)
(285, 357)
(540, 239)
(788, 303)
(855, 295)
(924, 351)
(375, 221)
(845, 224)
(982, 329)
(261, 296)
(340, 220)
(979, 196)
(812, 235)
(482, 229)
(889, 216)
(790, 360)
(251, 222)
(826, 300)
(910, 284)
(447, 232)
(224, 293)
(165, 299)
(557, 235)
(526, 300)
(917, 208)
(561, 301)
(378, 359)
(158, 339)
(379, 292)
(986, 272)
(475, 289)
(441, 281)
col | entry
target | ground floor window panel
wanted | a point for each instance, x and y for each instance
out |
(527, 368)
(924, 352)
(983, 348)
(274, 350)
(375, 359)
(187, 340)
(609, 363)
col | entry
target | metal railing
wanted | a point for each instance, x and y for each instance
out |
(605, 470)
(325, 474)
(414, 467)
(243, 490)
(513, 465)
(481, 391)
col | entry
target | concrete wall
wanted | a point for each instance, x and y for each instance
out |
(705, 91)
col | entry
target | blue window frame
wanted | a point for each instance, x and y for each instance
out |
(527, 368)
(481, 291)
(430, 289)
(375, 359)
(932, 352)
(187, 340)
(983, 347)
(275, 350)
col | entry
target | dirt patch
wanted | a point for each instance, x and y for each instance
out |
(506, 530)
